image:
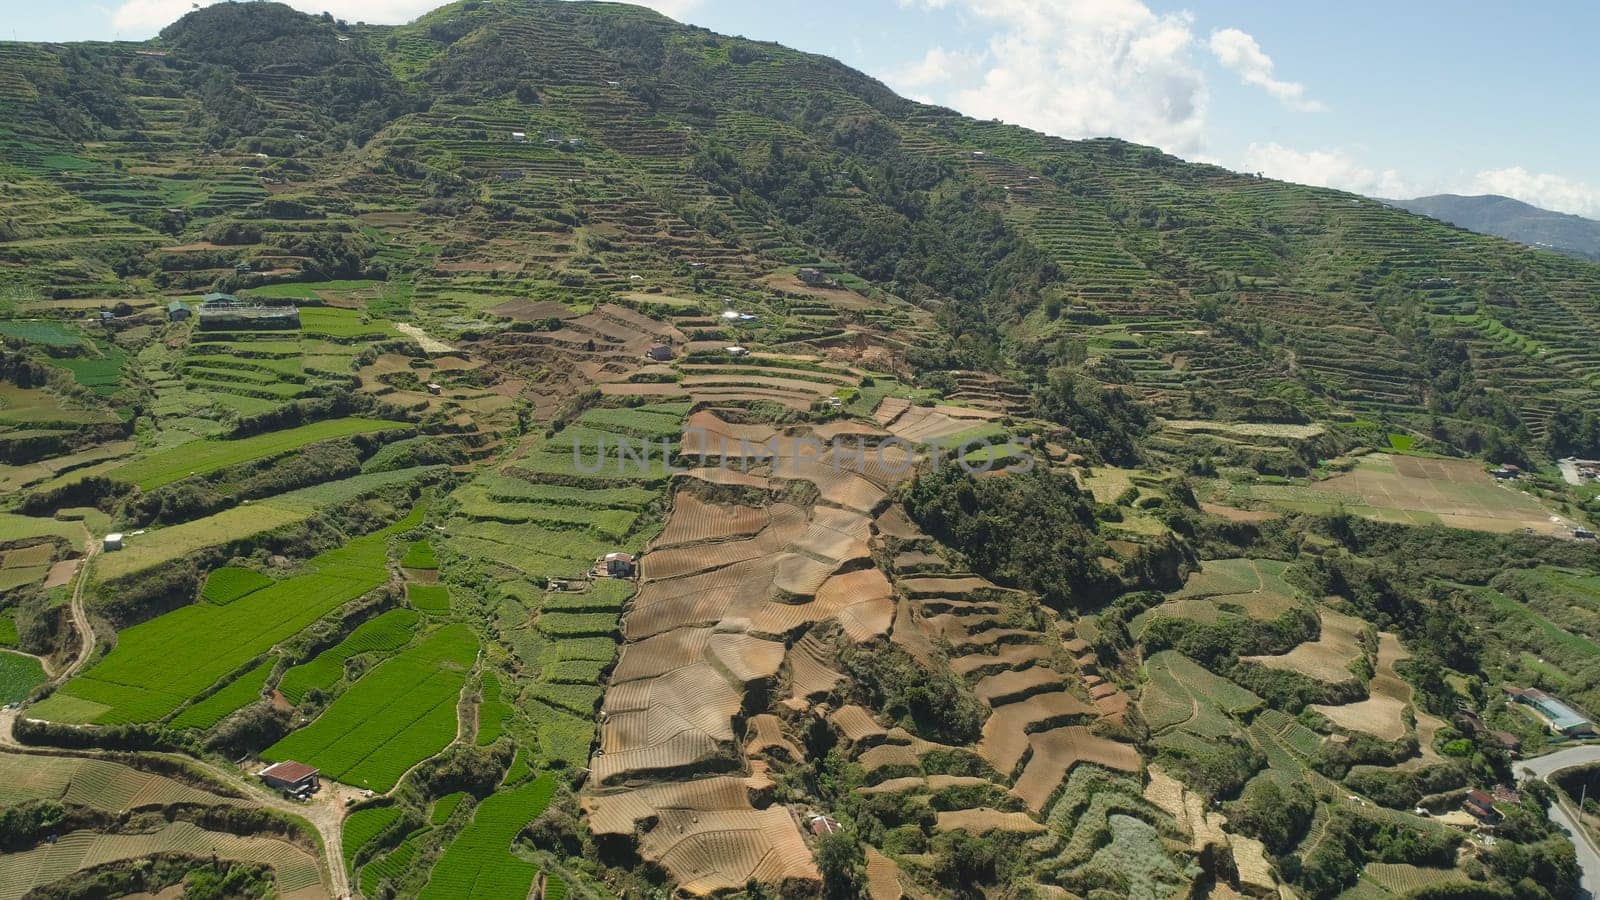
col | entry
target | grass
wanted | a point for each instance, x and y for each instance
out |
(239, 693)
(388, 631)
(19, 675)
(159, 664)
(15, 528)
(397, 715)
(203, 457)
(478, 863)
(229, 583)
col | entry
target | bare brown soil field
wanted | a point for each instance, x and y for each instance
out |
(695, 520)
(796, 400)
(709, 852)
(1014, 685)
(1056, 751)
(1234, 514)
(662, 390)
(1377, 715)
(856, 725)
(984, 820)
(619, 812)
(766, 738)
(884, 878)
(1329, 657)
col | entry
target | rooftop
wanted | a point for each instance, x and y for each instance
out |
(288, 770)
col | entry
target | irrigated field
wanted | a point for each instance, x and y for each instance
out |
(159, 664)
(398, 714)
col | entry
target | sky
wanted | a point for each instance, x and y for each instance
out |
(1390, 99)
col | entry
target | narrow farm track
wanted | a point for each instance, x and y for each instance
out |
(80, 618)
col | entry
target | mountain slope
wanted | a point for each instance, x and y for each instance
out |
(651, 145)
(1513, 220)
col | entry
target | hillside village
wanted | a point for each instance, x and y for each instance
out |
(547, 451)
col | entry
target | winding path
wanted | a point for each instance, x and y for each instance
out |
(1562, 813)
(80, 618)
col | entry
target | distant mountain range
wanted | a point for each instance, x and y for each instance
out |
(1513, 220)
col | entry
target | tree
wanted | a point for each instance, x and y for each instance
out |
(840, 860)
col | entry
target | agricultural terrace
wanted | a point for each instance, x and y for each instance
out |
(204, 457)
(240, 525)
(478, 863)
(236, 695)
(529, 520)
(388, 631)
(395, 716)
(1252, 588)
(19, 675)
(158, 665)
(1330, 657)
(1416, 490)
(112, 788)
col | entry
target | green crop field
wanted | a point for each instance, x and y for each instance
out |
(478, 863)
(159, 664)
(444, 806)
(203, 457)
(229, 583)
(389, 631)
(19, 675)
(49, 334)
(419, 555)
(430, 598)
(398, 714)
(363, 825)
(239, 693)
(392, 864)
(492, 711)
(513, 233)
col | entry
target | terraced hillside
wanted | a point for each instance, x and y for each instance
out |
(523, 152)
(626, 460)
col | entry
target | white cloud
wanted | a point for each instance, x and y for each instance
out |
(1074, 68)
(1324, 168)
(1544, 190)
(937, 66)
(1238, 51)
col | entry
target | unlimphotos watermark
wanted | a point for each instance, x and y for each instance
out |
(596, 453)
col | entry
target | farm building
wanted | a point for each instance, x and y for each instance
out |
(659, 352)
(820, 825)
(224, 311)
(1480, 806)
(809, 275)
(737, 351)
(1558, 716)
(291, 776)
(113, 541)
(519, 137)
(177, 311)
(616, 565)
